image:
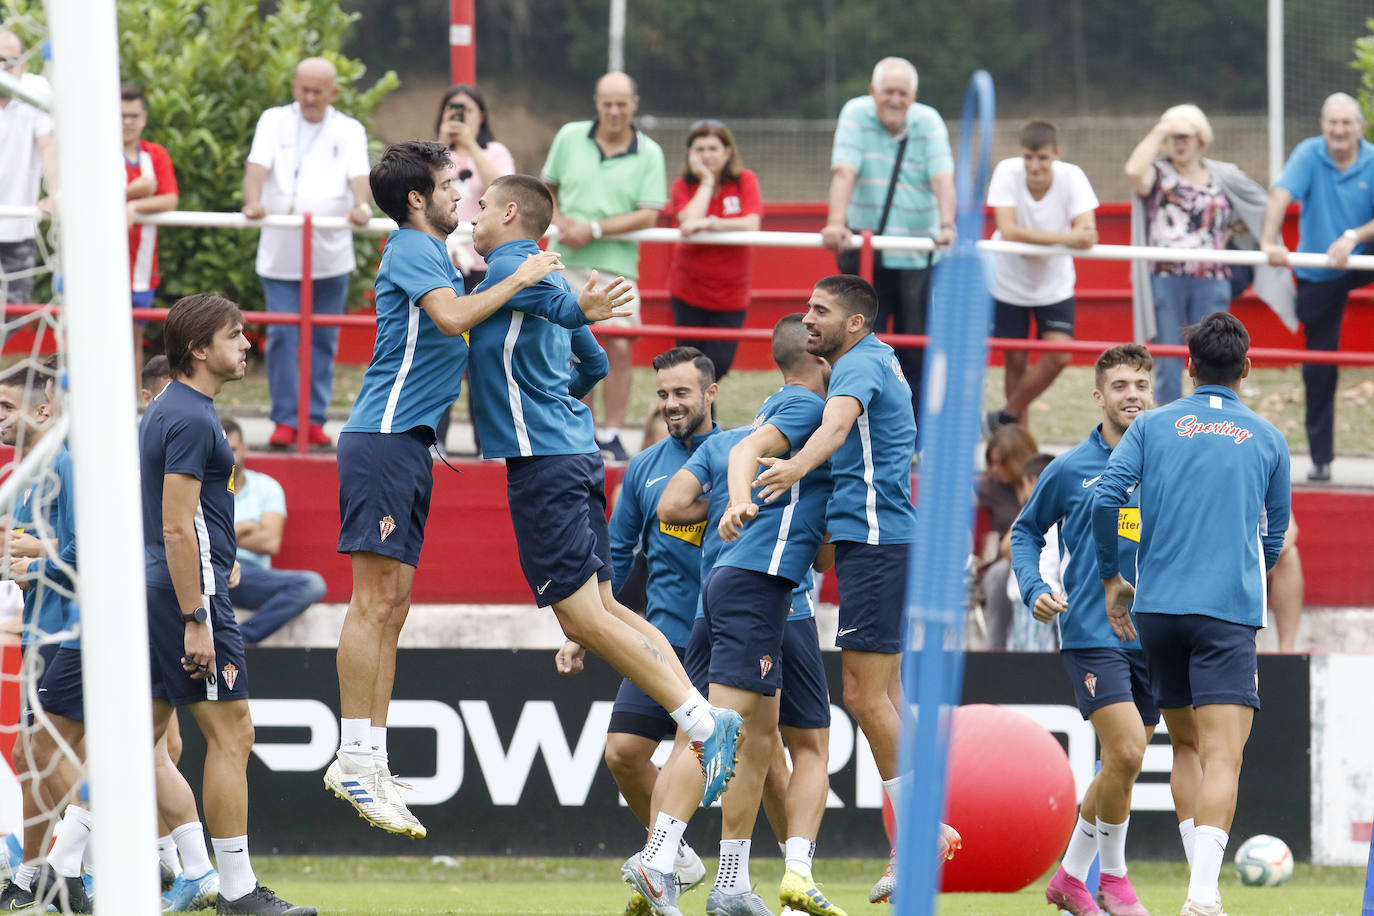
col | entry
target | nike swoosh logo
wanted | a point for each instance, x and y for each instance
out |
(233, 850)
(1089, 482)
(657, 894)
(540, 589)
(845, 632)
(650, 483)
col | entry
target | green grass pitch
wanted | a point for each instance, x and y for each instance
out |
(521, 886)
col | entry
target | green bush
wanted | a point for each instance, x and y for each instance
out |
(209, 68)
(1364, 62)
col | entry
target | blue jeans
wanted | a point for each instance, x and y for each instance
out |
(1180, 302)
(277, 595)
(283, 343)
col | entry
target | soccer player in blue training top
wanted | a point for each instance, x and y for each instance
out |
(555, 483)
(1110, 681)
(870, 430)
(803, 701)
(686, 381)
(385, 471)
(1214, 496)
(197, 650)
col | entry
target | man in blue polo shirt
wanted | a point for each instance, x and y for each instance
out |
(1110, 681)
(1332, 176)
(417, 365)
(870, 431)
(804, 697)
(1212, 480)
(555, 482)
(686, 389)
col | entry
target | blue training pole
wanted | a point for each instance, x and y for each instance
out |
(1368, 908)
(936, 590)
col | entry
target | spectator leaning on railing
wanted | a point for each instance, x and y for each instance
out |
(151, 187)
(307, 157)
(1331, 176)
(709, 284)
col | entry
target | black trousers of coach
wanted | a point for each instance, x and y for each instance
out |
(1321, 308)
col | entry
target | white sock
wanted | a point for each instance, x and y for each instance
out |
(65, 854)
(799, 852)
(1185, 832)
(379, 747)
(608, 433)
(1111, 846)
(733, 875)
(661, 849)
(167, 852)
(355, 740)
(896, 790)
(236, 876)
(1209, 848)
(1078, 858)
(195, 858)
(694, 717)
(685, 855)
(24, 876)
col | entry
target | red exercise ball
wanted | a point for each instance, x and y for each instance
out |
(1011, 797)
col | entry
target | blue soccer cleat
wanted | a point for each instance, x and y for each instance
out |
(718, 753)
(192, 893)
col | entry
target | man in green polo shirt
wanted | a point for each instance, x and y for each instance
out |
(872, 129)
(607, 178)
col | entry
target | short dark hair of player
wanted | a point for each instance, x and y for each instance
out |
(855, 294)
(192, 323)
(1035, 465)
(1128, 354)
(708, 127)
(484, 134)
(154, 371)
(531, 196)
(789, 342)
(679, 355)
(1217, 345)
(231, 427)
(129, 92)
(1037, 135)
(405, 167)
(31, 381)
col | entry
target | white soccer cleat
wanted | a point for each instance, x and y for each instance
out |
(389, 787)
(358, 784)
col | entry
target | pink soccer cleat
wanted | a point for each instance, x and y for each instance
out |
(1068, 893)
(1118, 898)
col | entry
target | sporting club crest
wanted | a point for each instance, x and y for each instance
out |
(765, 666)
(387, 525)
(1090, 681)
(230, 675)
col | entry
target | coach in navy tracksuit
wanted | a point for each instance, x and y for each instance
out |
(1214, 496)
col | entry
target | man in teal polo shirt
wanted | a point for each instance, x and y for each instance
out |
(1332, 176)
(607, 178)
(871, 131)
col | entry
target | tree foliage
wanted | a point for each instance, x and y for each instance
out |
(1364, 62)
(209, 68)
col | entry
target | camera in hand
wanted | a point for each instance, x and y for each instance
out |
(457, 111)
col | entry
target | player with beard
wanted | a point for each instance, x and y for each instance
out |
(868, 434)
(385, 471)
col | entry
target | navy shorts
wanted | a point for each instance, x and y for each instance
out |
(697, 661)
(385, 481)
(41, 666)
(1197, 660)
(1103, 676)
(871, 579)
(167, 641)
(60, 690)
(805, 700)
(558, 510)
(746, 611)
(1013, 321)
(637, 713)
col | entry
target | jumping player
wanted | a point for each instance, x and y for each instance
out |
(414, 376)
(1110, 681)
(1214, 496)
(555, 483)
(870, 431)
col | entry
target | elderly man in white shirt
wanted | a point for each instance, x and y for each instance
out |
(307, 157)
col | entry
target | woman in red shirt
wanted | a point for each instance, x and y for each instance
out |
(709, 284)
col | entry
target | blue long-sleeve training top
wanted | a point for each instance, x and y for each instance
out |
(1214, 501)
(1063, 496)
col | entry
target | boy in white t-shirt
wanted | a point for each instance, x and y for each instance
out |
(1042, 201)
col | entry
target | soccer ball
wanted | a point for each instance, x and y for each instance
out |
(1264, 861)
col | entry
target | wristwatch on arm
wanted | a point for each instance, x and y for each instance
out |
(199, 615)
